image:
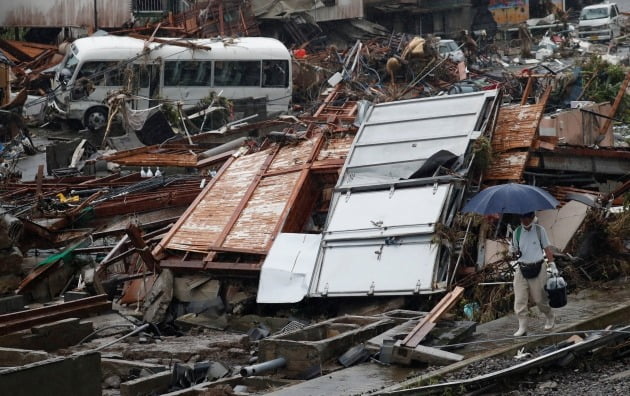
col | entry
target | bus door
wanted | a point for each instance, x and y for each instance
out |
(146, 85)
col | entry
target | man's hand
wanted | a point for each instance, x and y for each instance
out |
(553, 269)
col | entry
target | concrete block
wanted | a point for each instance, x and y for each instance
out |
(19, 357)
(124, 368)
(317, 344)
(11, 304)
(74, 295)
(49, 336)
(154, 384)
(76, 375)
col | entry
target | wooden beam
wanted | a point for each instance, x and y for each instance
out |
(135, 236)
(427, 323)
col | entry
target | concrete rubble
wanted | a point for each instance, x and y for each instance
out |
(266, 197)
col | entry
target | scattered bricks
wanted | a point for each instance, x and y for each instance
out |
(76, 375)
(19, 357)
(74, 295)
(154, 384)
(11, 304)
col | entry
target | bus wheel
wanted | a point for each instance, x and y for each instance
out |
(95, 118)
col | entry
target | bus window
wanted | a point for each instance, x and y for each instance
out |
(237, 73)
(108, 73)
(187, 73)
(275, 73)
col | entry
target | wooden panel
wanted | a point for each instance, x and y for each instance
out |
(516, 127)
(212, 213)
(254, 227)
(507, 166)
(336, 148)
(292, 155)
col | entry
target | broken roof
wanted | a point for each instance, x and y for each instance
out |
(253, 197)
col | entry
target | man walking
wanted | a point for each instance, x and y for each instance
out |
(529, 241)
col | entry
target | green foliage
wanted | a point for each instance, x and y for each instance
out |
(605, 84)
(483, 153)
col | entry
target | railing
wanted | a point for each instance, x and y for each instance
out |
(140, 6)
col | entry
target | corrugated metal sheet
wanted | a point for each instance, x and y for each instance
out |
(344, 9)
(516, 129)
(378, 239)
(51, 13)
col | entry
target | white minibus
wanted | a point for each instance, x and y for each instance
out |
(176, 70)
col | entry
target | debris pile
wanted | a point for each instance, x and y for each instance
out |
(224, 212)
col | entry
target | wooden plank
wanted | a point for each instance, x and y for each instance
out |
(157, 251)
(427, 323)
(245, 199)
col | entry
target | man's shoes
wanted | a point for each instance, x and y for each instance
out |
(551, 321)
(522, 328)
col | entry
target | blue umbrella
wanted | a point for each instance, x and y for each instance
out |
(510, 198)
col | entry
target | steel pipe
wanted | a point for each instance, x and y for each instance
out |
(262, 368)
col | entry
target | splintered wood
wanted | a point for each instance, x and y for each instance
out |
(427, 323)
(512, 139)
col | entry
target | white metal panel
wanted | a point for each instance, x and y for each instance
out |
(406, 151)
(286, 273)
(432, 128)
(442, 106)
(377, 268)
(384, 213)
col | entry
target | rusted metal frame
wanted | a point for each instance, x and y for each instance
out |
(182, 264)
(79, 308)
(219, 249)
(585, 151)
(135, 236)
(329, 99)
(110, 259)
(615, 106)
(427, 323)
(306, 168)
(233, 266)
(143, 204)
(327, 164)
(39, 179)
(159, 248)
(144, 226)
(245, 199)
